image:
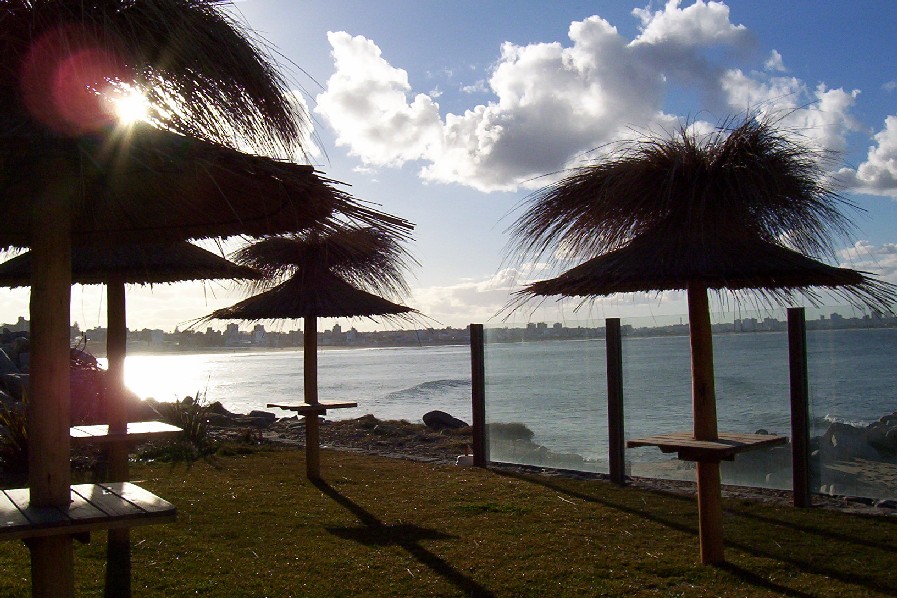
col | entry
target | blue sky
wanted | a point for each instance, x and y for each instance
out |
(446, 113)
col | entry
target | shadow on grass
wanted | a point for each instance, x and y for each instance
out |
(827, 558)
(376, 533)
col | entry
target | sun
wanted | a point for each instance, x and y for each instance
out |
(129, 105)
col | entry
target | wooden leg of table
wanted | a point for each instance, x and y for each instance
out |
(118, 564)
(57, 580)
(312, 447)
(710, 513)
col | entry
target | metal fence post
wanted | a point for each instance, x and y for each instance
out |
(800, 399)
(478, 394)
(615, 436)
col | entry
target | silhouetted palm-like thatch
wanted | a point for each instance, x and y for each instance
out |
(324, 273)
(323, 296)
(726, 211)
(147, 263)
(206, 75)
(157, 185)
(366, 257)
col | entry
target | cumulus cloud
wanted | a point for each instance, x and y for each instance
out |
(877, 175)
(550, 102)
(774, 62)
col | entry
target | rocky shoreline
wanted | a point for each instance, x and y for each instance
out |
(418, 442)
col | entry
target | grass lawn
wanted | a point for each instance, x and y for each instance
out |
(252, 525)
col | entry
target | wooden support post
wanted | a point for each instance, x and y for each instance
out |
(800, 406)
(310, 386)
(710, 512)
(615, 435)
(478, 394)
(49, 469)
(118, 549)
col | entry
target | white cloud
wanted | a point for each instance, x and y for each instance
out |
(366, 100)
(889, 86)
(878, 174)
(774, 62)
(700, 23)
(880, 260)
(551, 102)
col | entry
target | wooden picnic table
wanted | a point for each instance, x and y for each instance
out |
(311, 411)
(92, 507)
(724, 448)
(136, 432)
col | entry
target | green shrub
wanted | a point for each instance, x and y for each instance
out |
(191, 415)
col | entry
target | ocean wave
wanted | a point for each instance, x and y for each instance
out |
(828, 419)
(429, 389)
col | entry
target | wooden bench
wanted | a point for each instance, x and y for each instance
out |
(136, 432)
(93, 507)
(707, 451)
(312, 408)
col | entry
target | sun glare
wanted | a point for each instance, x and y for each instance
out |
(130, 106)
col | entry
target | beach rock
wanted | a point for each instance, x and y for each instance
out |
(265, 415)
(440, 420)
(217, 408)
(843, 442)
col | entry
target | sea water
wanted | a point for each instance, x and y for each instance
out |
(556, 388)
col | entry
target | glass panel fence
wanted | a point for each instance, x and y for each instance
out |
(546, 396)
(852, 363)
(752, 393)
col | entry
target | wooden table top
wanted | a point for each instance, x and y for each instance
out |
(137, 432)
(93, 507)
(309, 408)
(724, 448)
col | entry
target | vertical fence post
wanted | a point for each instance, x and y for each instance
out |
(478, 394)
(615, 436)
(800, 399)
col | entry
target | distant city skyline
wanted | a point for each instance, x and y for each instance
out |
(449, 114)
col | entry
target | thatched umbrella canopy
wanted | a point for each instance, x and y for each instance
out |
(144, 264)
(69, 176)
(323, 295)
(736, 209)
(321, 273)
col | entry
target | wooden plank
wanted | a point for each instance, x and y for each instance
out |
(307, 409)
(10, 515)
(107, 501)
(142, 498)
(92, 507)
(136, 432)
(725, 447)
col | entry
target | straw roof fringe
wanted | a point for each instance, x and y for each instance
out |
(746, 179)
(135, 264)
(775, 274)
(369, 258)
(327, 296)
(735, 210)
(159, 186)
(206, 73)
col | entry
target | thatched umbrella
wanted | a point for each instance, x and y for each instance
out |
(733, 210)
(115, 267)
(67, 176)
(321, 270)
